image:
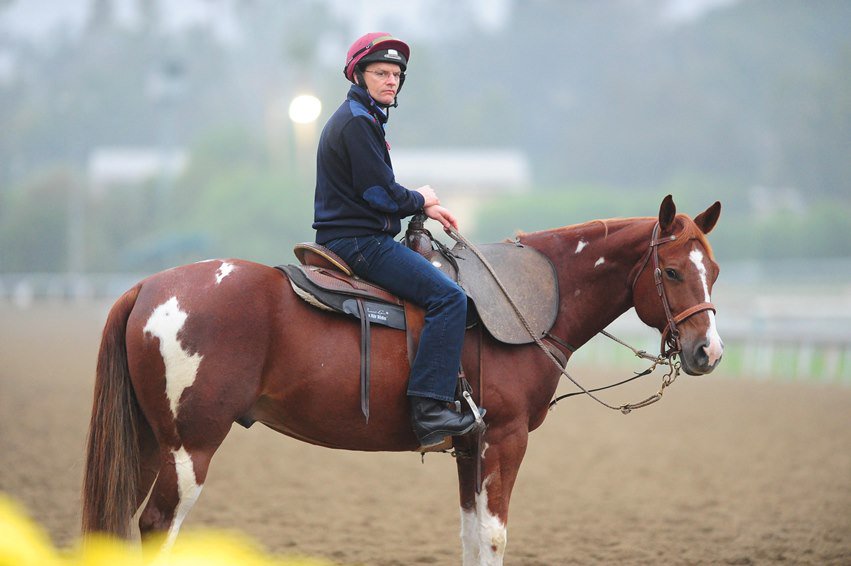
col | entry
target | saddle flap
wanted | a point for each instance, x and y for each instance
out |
(528, 276)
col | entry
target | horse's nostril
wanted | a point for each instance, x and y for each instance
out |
(701, 354)
(712, 353)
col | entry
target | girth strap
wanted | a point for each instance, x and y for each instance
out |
(365, 354)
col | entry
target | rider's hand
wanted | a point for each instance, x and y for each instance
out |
(442, 215)
(429, 195)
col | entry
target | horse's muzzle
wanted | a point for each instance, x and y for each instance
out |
(702, 357)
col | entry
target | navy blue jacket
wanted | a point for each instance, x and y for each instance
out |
(356, 190)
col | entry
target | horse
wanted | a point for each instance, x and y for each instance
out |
(187, 352)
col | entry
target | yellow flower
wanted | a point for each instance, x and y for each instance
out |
(22, 543)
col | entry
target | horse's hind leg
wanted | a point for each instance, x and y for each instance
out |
(181, 476)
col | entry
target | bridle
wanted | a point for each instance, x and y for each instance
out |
(670, 334)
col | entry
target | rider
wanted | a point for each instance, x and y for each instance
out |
(358, 207)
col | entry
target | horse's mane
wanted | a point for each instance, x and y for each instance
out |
(685, 228)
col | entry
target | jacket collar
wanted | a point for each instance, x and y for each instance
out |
(360, 94)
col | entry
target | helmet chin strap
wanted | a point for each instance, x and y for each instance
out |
(359, 80)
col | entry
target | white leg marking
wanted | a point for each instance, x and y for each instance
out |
(493, 535)
(600, 262)
(180, 368)
(188, 491)
(580, 246)
(715, 349)
(224, 270)
(469, 538)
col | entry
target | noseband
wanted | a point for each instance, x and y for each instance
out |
(670, 344)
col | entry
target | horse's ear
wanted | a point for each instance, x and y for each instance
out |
(667, 212)
(707, 219)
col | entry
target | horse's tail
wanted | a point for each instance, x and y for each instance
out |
(112, 452)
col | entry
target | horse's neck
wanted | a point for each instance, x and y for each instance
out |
(593, 262)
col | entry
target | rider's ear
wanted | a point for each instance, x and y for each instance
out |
(667, 213)
(706, 220)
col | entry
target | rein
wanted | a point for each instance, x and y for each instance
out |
(670, 335)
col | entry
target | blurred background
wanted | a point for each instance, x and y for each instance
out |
(136, 135)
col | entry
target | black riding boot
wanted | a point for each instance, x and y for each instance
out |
(433, 420)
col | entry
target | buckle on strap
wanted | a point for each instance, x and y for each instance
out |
(700, 307)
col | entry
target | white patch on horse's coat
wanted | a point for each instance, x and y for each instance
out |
(485, 447)
(580, 246)
(715, 349)
(437, 264)
(493, 536)
(188, 491)
(600, 262)
(576, 293)
(469, 538)
(181, 368)
(224, 270)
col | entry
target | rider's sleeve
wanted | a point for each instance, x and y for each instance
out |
(372, 178)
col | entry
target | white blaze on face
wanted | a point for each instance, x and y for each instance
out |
(188, 491)
(165, 323)
(715, 348)
(483, 535)
(224, 270)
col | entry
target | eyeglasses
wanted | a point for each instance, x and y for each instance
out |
(384, 75)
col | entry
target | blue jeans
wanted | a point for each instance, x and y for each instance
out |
(407, 274)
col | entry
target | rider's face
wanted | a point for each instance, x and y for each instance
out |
(382, 81)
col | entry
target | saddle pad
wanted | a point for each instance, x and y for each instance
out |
(528, 276)
(344, 299)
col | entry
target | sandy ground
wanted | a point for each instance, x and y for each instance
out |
(722, 471)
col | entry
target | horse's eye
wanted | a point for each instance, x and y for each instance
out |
(672, 274)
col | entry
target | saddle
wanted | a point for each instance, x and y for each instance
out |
(325, 281)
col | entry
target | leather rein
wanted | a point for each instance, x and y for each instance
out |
(670, 334)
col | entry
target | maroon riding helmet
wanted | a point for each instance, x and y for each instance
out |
(372, 48)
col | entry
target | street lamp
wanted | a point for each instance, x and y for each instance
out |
(304, 110)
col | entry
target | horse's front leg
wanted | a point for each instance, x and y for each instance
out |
(484, 516)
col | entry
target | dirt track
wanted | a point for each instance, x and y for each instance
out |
(721, 471)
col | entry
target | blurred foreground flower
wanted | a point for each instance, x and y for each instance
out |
(23, 543)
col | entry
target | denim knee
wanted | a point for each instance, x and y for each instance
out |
(452, 301)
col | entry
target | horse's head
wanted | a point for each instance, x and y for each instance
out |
(671, 290)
